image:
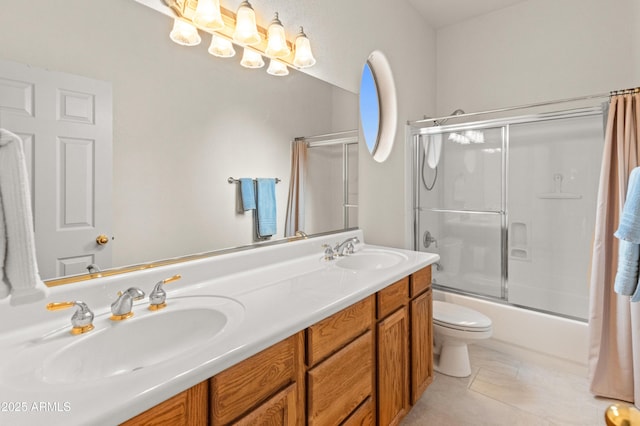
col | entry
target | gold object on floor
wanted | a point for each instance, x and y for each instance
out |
(622, 415)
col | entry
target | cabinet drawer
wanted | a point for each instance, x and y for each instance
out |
(337, 386)
(280, 410)
(420, 281)
(363, 416)
(190, 407)
(242, 387)
(330, 334)
(393, 297)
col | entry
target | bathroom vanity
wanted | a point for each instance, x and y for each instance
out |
(295, 339)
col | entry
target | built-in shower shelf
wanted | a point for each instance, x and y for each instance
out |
(559, 196)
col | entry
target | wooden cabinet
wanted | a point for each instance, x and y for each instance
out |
(421, 345)
(338, 385)
(365, 365)
(331, 334)
(240, 390)
(364, 415)
(404, 345)
(279, 410)
(393, 367)
(341, 364)
(421, 348)
(188, 408)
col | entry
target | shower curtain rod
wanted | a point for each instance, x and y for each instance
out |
(327, 142)
(327, 135)
(323, 140)
(513, 108)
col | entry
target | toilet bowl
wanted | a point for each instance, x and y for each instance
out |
(454, 327)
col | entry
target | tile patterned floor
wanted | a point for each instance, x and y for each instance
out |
(503, 390)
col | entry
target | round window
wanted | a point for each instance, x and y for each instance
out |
(378, 107)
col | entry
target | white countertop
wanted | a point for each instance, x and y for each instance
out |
(276, 292)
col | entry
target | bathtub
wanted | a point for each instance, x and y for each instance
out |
(531, 335)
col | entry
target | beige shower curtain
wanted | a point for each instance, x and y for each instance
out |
(295, 204)
(614, 322)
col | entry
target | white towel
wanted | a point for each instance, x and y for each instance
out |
(18, 267)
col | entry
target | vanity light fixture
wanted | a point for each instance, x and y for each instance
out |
(303, 56)
(276, 40)
(246, 32)
(184, 33)
(251, 59)
(221, 47)
(277, 68)
(240, 28)
(208, 15)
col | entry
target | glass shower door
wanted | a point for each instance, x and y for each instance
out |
(553, 175)
(462, 208)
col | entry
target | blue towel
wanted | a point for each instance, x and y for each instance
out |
(629, 228)
(266, 207)
(248, 194)
(626, 282)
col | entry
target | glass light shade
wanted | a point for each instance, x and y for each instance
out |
(303, 57)
(251, 59)
(184, 33)
(276, 40)
(246, 31)
(208, 15)
(221, 47)
(277, 68)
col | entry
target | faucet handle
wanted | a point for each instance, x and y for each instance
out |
(158, 296)
(81, 320)
(329, 253)
(350, 248)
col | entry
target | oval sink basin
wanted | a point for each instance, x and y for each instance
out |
(146, 339)
(371, 259)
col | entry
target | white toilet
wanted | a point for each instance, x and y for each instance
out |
(454, 327)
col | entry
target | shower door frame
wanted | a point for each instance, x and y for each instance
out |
(413, 133)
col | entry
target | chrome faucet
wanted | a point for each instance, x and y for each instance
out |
(346, 245)
(81, 320)
(158, 296)
(121, 308)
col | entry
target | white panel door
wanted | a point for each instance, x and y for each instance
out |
(65, 122)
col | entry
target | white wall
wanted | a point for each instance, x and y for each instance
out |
(538, 50)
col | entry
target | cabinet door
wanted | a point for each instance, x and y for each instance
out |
(421, 344)
(393, 368)
(189, 408)
(280, 410)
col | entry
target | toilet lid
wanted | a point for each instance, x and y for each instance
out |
(459, 317)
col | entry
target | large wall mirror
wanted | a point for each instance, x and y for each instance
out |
(183, 122)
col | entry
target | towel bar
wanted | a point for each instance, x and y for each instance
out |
(232, 180)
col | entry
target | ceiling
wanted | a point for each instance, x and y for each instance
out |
(440, 13)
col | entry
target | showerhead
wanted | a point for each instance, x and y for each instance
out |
(444, 120)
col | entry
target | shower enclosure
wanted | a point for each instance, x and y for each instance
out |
(331, 187)
(510, 206)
